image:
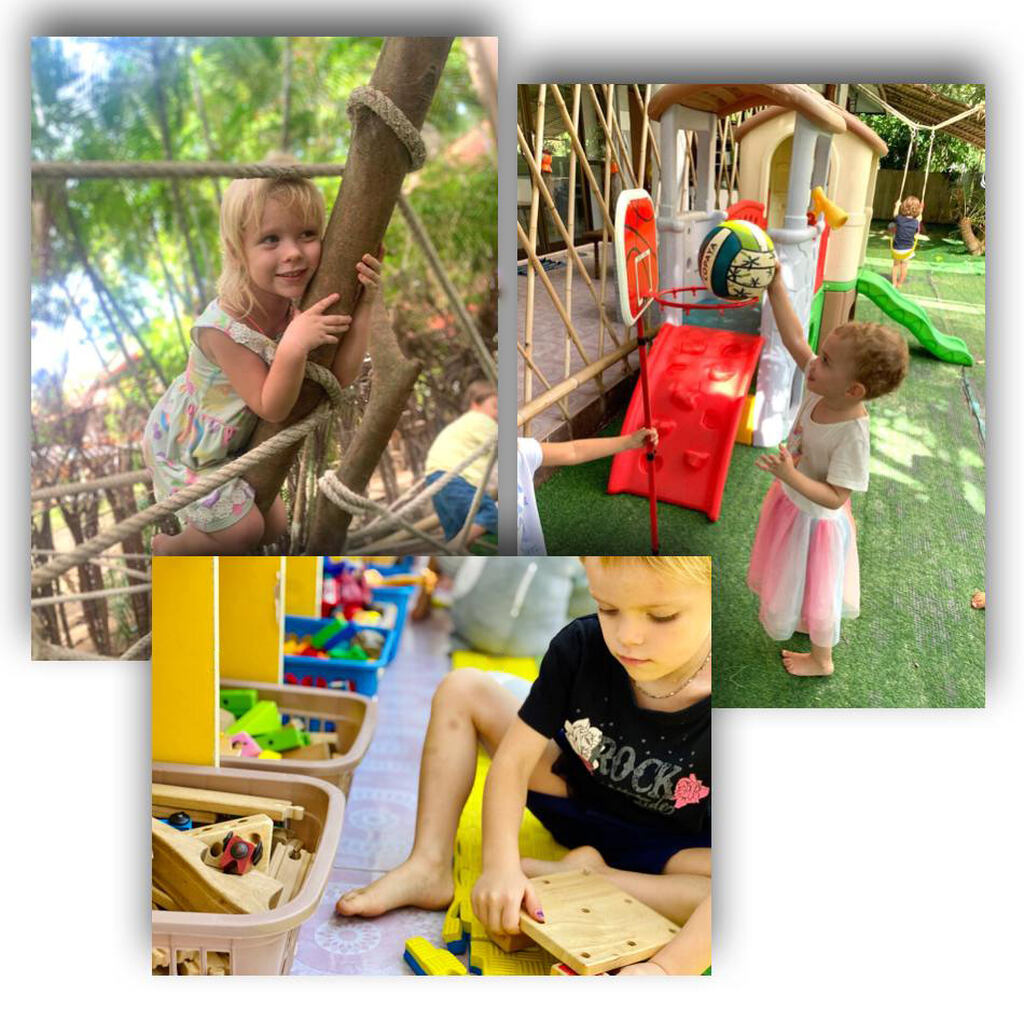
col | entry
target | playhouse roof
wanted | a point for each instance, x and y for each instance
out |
(927, 107)
(855, 126)
(724, 99)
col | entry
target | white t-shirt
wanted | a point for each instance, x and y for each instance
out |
(529, 535)
(839, 454)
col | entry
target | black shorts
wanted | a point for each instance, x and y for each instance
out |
(623, 845)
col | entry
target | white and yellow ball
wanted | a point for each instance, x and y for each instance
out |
(736, 260)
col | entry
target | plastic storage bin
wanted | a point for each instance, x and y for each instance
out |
(360, 677)
(401, 597)
(352, 716)
(256, 943)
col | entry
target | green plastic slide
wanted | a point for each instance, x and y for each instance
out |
(910, 314)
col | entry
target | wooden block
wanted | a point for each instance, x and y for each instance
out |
(331, 738)
(179, 871)
(315, 751)
(226, 719)
(231, 803)
(161, 958)
(250, 828)
(289, 864)
(163, 901)
(510, 943)
(593, 926)
(217, 963)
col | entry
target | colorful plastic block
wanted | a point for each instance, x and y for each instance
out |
(287, 737)
(261, 718)
(239, 701)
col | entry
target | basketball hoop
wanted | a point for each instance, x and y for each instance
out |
(701, 306)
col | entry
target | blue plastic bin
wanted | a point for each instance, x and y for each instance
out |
(362, 676)
(400, 595)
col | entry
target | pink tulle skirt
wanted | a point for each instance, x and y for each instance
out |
(804, 568)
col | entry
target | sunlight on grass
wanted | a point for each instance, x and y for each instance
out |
(975, 498)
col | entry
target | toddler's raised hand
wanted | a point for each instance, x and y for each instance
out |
(311, 329)
(780, 466)
(640, 437)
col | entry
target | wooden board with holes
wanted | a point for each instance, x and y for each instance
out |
(593, 926)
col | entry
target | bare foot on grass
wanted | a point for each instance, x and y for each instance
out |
(802, 664)
(414, 883)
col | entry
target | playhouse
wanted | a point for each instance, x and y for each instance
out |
(717, 372)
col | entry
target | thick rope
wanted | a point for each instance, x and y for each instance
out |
(122, 590)
(85, 486)
(347, 500)
(365, 99)
(178, 170)
(384, 523)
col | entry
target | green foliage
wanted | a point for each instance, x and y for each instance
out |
(949, 154)
(219, 99)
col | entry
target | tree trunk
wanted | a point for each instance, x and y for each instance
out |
(394, 376)
(407, 71)
(974, 247)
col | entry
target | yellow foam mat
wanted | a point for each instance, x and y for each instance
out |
(524, 667)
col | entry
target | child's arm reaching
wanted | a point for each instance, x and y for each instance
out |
(349, 357)
(503, 888)
(786, 319)
(271, 392)
(783, 468)
(571, 453)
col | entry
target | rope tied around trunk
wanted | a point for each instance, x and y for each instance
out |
(366, 99)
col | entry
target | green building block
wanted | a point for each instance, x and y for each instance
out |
(327, 632)
(287, 737)
(261, 718)
(238, 702)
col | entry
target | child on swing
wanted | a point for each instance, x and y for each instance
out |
(904, 229)
(247, 359)
(611, 751)
(804, 564)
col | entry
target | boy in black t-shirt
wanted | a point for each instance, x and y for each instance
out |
(611, 751)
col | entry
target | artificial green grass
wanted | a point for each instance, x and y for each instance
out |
(921, 536)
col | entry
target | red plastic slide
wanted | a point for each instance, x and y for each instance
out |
(699, 378)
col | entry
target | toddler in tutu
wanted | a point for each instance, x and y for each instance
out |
(804, 561)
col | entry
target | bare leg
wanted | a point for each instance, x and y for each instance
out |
(469, 707)
(676, 893)
(274, 523)
(240, 538)
(817, 663)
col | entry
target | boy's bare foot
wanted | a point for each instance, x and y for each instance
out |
(578, 858)
(802, 664)
(414, 883)
(159, 544)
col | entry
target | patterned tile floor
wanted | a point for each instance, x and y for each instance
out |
(380, 818)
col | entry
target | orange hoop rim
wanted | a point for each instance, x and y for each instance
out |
(718, 306)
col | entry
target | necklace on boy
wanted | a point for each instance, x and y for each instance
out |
(689, 679)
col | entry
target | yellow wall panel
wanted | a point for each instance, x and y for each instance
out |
(302, 586)
(185, 674)
(251, 618)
